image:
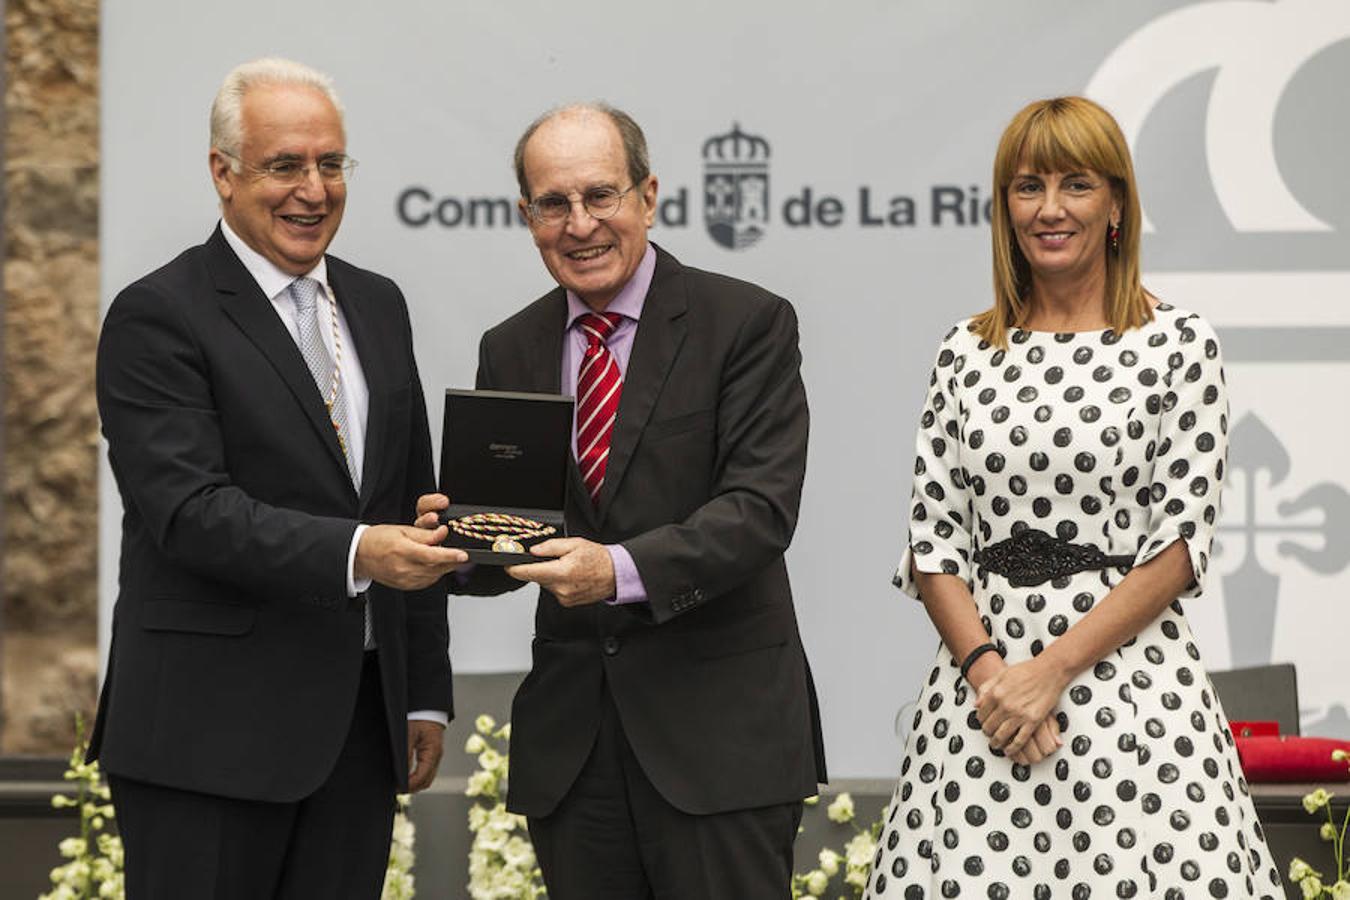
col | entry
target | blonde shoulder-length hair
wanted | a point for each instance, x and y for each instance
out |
(1063, 134)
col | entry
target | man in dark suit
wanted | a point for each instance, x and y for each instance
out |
(261, 401)
(668, 731)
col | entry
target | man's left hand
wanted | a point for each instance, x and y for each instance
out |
(425, 745)
(580, 573)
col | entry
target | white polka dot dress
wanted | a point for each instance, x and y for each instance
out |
(1117, 441)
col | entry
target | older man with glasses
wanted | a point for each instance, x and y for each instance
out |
(261, 403)
(667, 732)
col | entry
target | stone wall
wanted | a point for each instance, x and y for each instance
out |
(48, 653)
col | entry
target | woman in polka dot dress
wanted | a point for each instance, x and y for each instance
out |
(1071, 453)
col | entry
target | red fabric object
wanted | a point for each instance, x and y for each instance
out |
(1254, 728)
(1273, 759)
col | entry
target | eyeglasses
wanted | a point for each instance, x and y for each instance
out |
(336, 169)
(599, 203)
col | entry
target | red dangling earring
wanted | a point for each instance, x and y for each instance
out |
(1113, 235)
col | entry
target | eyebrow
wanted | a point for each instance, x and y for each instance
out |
(297, 157)
(604, 185)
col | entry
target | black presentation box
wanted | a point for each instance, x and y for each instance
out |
(504, 459)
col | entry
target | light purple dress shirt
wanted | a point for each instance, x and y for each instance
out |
(627, 303)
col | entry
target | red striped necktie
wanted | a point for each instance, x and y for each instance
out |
(599, 384)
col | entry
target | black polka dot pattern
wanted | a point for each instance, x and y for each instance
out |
(1118, 441)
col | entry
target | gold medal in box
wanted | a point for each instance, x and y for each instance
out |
(503, 531)
(504, 459)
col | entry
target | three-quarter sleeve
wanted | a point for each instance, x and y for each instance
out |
(941, 507)
(1191, 453)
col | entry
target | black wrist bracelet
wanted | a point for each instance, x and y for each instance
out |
(975, 654)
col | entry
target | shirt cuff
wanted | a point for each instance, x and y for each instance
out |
(355, 585)
(628, 586)
(440, 717)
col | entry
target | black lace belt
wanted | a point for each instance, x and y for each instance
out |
(1032, 557)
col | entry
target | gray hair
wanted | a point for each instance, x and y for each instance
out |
(630, 133)
(227, 117)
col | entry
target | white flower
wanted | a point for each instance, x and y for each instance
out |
(490, 760)
(1316, 800)
(812, 800)
(401, 859)
(859, 853)
(1340, 890)
(484, 724)
(1299, 870)
(856, 878)
(499, 818)
(504, 732)
(475, 744)
(62, 892)
(829, 862)
(817, 882)
(841, 810)
(71, 848)
(481, 783)
(1327, 832)
(518, 854)
(490, 839)
(404, 831)
(1311, 887)
(1339, 756)
(477, 817)
(398, 886)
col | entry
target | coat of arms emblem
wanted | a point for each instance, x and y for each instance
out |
(736, 188)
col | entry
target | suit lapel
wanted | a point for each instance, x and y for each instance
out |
(243, 302)
(371, 350)
(660, 333)
(544, 368)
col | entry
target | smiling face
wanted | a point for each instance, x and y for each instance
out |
(1060, 220)
(570, 154)
(290, 226)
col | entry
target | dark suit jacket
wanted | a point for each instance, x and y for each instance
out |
(236, 652)
(702, 486)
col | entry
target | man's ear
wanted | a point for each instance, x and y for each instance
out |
(649, 192)
(220, 174)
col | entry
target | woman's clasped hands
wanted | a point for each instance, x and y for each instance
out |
(1015, 705)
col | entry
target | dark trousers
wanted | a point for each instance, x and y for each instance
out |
(333, 843)
(614, 837)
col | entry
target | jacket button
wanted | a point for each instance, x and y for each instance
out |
(610, 646)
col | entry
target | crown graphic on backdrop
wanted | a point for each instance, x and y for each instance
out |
(736, 188)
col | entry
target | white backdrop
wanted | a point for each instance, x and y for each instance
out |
(880, 120)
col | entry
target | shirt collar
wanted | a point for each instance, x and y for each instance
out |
(628, 302)
(270, 279)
